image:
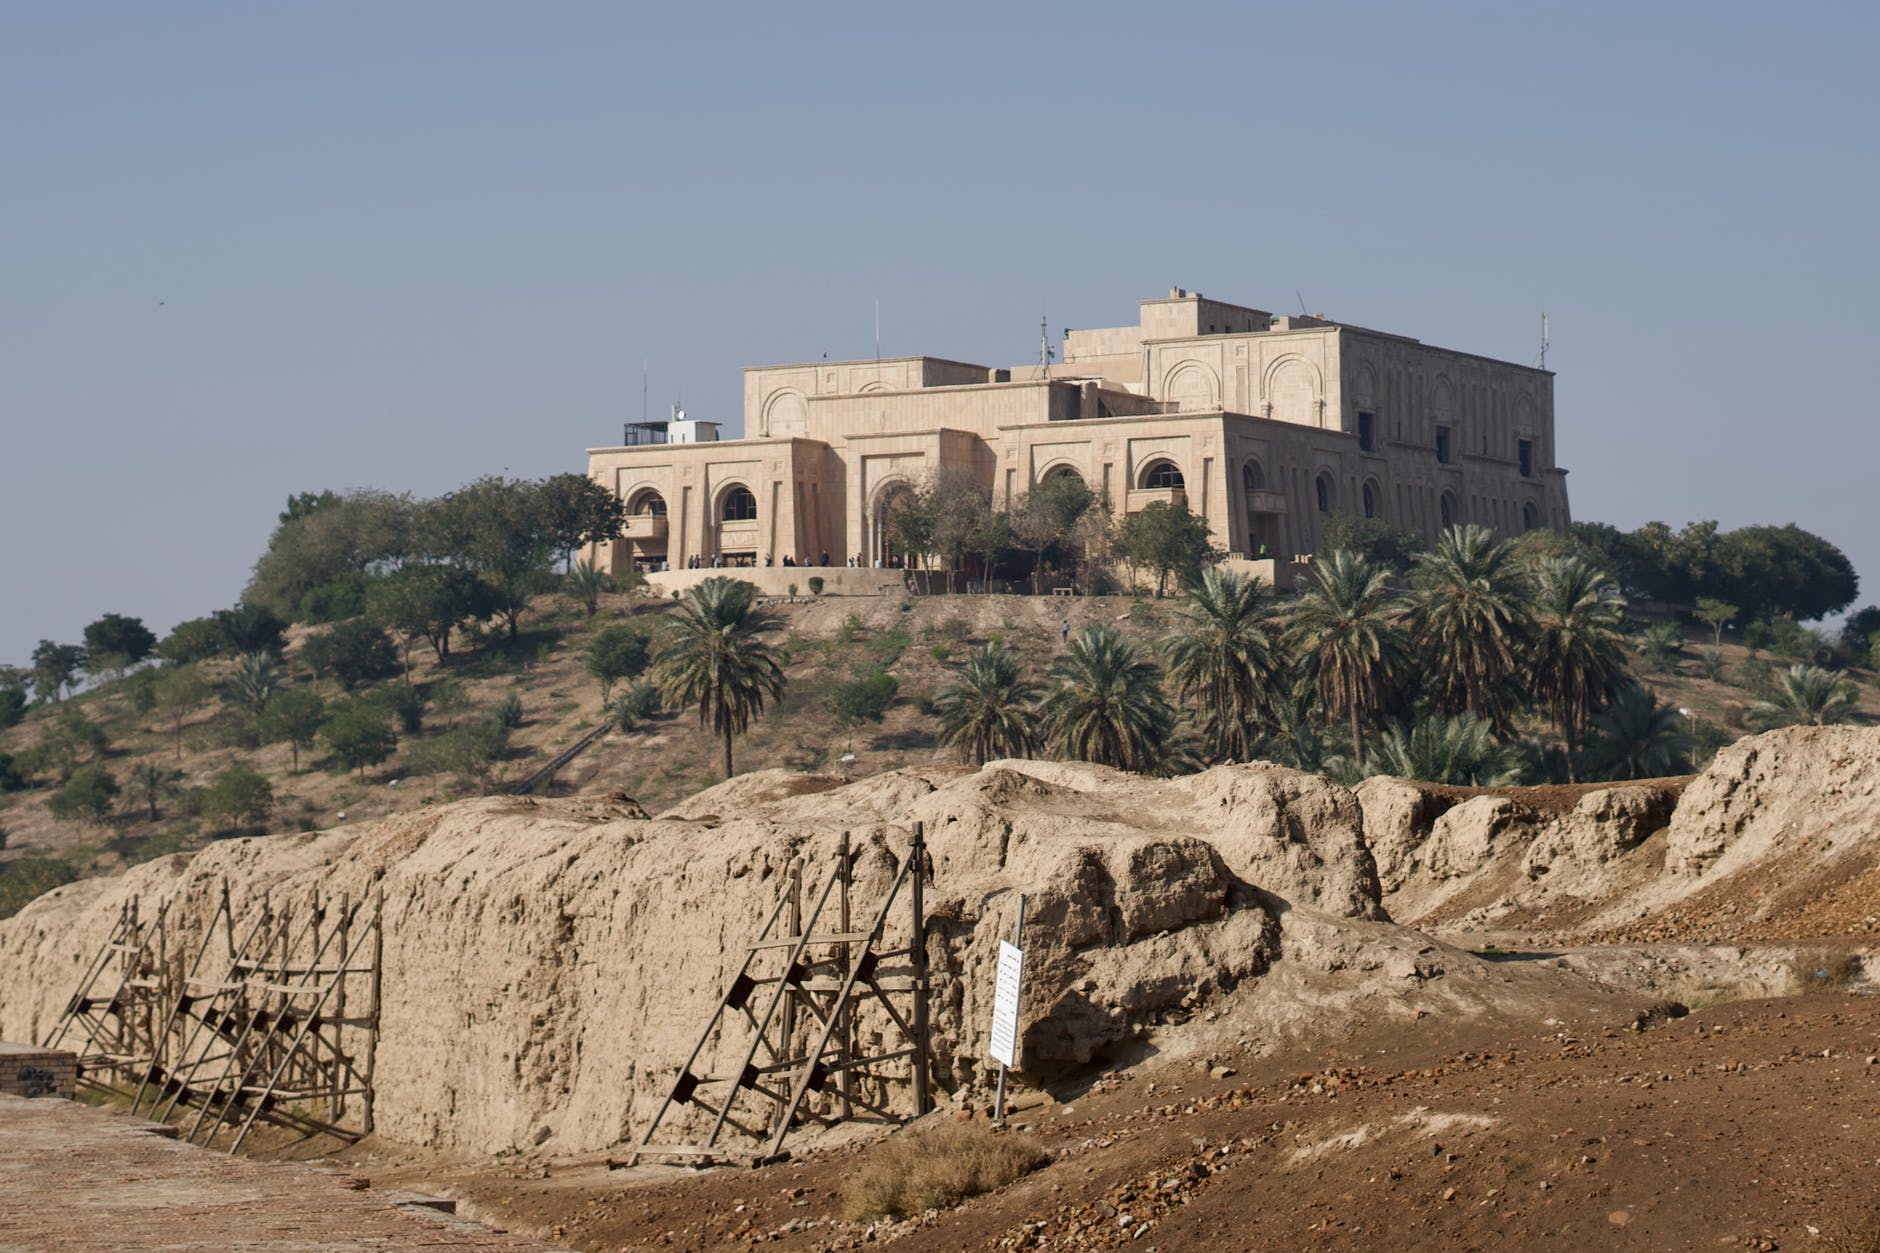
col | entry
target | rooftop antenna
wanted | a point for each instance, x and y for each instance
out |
(1302, 304)
(1544, 343)
(645, 369)
(877, 330)
(1045, 353)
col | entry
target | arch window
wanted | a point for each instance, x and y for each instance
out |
(1253, 477)
(1064, 472)
(739, 506)
(1323, 486)
(647, 505)
(1446, 507)
(1162, 475)
(1370, 500)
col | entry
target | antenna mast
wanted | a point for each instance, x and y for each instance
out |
(1044, 346)
(1544, 342)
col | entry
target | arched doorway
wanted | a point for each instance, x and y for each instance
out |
(883, 548)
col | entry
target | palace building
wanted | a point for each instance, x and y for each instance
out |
(1263, 425)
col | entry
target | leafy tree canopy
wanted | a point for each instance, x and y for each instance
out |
(354, 652)
(1167, 539)
(575, 511)
(1389, 547)
(193, 640)
(324, 537)
(616, 652)
(115, 642)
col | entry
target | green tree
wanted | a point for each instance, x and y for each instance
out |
(1718, 614)
(250, 629)
(1783, 571)
(987, 713)
(1470, 621)
(151, 783)
(1577, 653)
(470, 752)
(496, 528)
(194, 640)
(713, 654)
(616, 652)
(1047, 516)
(1167, 539)
(115, 643)
(575, 511)
(1439, 749)
(237, 796)
(1223, 661)
(1347, 634)
(866, 698)
(360, 735)
(323, 539)
(88, 796)
(1858, 631)
(354, 652)
(1807, 696)
(294, 716)
(55, 668)
(429, 602)
(180, 690)
(1635, 737)
(1106, 705)
(587, 583)
(12, 705)
(73, 738)
(1390, 547)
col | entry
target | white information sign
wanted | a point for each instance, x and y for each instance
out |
(1005, 1005)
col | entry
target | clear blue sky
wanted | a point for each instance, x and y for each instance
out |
(252, 249)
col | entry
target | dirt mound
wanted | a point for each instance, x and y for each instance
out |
(1778, 839)
(530, 946)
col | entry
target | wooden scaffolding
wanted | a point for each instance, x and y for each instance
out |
(111, 1020)
(280, 1025)
(795, 1013)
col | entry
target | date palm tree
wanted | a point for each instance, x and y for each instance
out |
(1348, 636)
(987, 714)
(1635, 737)
(1439, 749)
(1807, 696)
(1470, 619)
(1223, 661)
(1106, 704)
(712, 654)
(1576, 655)
(587, 582)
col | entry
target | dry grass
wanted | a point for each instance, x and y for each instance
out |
(1858, 1235)
(938, 1168)
(1825, 970)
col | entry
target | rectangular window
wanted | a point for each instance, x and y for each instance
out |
(1442, 444)
(1527, 458)
(1367, 432)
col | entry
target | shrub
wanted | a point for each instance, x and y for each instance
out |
(637, 703)
(88, 796)
(334, 602)
(942, 651)
(937, 1168)
(792, 589)
(850, 628)
(957, 629)
(354, 652)
(1825, 970)
(12, 706)
(237, 796)
(406, 703)
(360, 735)
(815, 585)
(615, 653)
(509, 711)
(866, 699)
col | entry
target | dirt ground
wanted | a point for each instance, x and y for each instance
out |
(1747, 1124)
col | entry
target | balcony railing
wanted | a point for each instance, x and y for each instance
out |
(645, 526)
(1266, 502)
(1140, 498)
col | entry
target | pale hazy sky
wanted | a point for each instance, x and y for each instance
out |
(253, 249)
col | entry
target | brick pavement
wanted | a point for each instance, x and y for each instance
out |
(77, 1179)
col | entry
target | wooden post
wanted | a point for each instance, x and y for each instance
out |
(847, 1054)
(378, 964)
(339, 1005)
(917, 942)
